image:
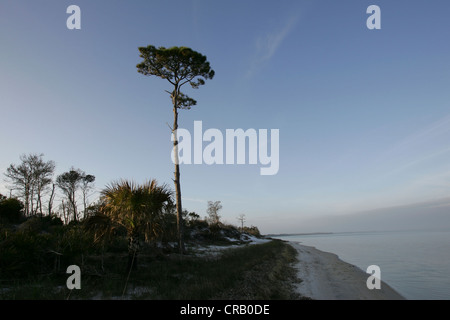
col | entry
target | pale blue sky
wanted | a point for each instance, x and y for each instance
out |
(364, 115)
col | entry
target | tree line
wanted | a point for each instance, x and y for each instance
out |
(32, 181)
(139, 213)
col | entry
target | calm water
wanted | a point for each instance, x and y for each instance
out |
(415, 263)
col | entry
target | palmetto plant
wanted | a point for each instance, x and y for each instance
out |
(137, 208)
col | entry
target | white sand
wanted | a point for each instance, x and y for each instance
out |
(326, 277)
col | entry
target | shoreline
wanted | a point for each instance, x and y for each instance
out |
(326, 277)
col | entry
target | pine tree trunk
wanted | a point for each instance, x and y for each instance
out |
(177, 175)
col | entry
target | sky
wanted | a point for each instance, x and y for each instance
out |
(363, 115)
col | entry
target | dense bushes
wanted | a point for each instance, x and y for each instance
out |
(10, 210)
(254, 231)
(22, 253)
(44, 245)
(30, 251)
(41, 224)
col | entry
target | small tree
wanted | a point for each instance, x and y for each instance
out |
(31, 178)
(213, 211)
(242, 219)
(43, 174)
(86, 185)
(179, 66)
(10, 209)
(192, 216)
(69, 182)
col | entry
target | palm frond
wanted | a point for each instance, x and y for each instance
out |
(137, 207)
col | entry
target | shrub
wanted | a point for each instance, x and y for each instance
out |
(29, 252)
(10, 210)
(41, 224)
(252, 231)
(23, 254)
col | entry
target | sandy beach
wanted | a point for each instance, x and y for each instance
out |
(326, 277)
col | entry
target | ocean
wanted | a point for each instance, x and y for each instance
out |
(414, 263)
